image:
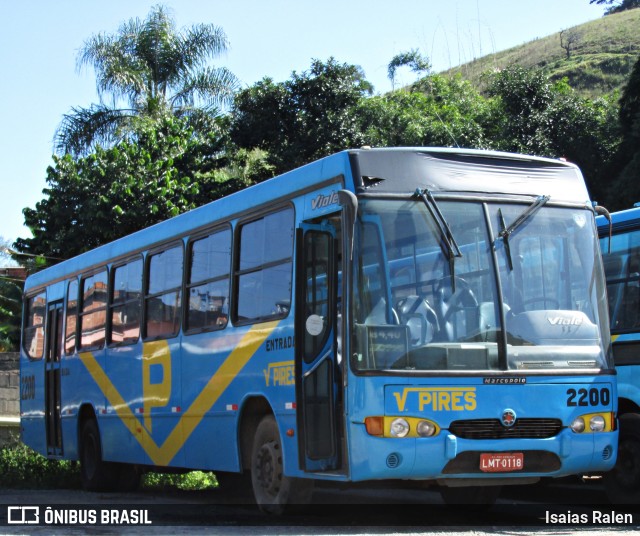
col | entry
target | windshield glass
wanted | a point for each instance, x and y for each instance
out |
(529, 302)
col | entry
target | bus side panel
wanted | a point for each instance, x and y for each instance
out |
(273, 372)
(79, 391)
(213, 444)
(141, 421)
(32, 423)
(124, 371)
(229, 371)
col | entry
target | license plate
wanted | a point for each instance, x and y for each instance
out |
(501, 462)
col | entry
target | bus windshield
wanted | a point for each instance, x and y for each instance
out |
(529, 298)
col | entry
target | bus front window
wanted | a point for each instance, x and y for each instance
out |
(418, 307)
(556, 316)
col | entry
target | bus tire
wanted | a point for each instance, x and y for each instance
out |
(273, 491)
(485, 495)
(622, 483)
(96, 475)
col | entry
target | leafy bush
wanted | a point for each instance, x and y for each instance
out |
(192, 481)
(22, 467)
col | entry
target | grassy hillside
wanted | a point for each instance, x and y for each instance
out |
(599, 60)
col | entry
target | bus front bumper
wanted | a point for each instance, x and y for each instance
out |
(447, 456)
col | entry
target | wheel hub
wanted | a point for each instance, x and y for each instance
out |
(268, 468)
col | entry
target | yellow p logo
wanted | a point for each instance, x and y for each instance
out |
(156, 378)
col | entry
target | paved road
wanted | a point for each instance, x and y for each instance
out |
(353, 510)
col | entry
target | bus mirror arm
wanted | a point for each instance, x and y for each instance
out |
(604, 212)
(349, 203)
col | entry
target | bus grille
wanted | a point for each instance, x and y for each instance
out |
(493, 429)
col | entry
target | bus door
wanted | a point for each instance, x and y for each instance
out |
(53, 351)
(317, 346)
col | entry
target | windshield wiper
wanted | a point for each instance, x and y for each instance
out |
(448, 243)
(506, 232)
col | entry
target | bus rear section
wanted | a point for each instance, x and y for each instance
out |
(620, 245)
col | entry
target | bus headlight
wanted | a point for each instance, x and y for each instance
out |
(596, 423)
(425, 429)
(578, 425)
(399, 427)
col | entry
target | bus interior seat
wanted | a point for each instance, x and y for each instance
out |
(457, 310)
(420, 318)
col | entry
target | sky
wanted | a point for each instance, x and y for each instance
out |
(40, 40)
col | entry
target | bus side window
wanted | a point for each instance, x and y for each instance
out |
(263, 275)
(208, 282)
(631, 295)
(33, 336)
(164, 293)
(71, 321)
(93, 310)
(125, 305)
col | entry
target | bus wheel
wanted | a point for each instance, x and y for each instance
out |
(486, 495)
(622, 483)
(96, 475)
(274, 491)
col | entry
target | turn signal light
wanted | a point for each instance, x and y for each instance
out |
(375, 426)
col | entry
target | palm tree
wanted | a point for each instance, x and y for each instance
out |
(152, 69)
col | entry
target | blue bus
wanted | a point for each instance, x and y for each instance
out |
(620, 244)
(409, 314)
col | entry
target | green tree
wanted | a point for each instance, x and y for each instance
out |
(311, 115)
(169, 169)
(626, 166)
(617, 5)
(533, 115)
(436, 111)
(418, 64)
(519, 119)
(10, 314)
(150, 68)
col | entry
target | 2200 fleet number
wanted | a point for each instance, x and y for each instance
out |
(588, 397)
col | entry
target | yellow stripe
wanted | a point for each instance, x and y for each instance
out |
(217, 384)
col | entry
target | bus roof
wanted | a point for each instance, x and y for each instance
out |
(385, 170)
(469, 170)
